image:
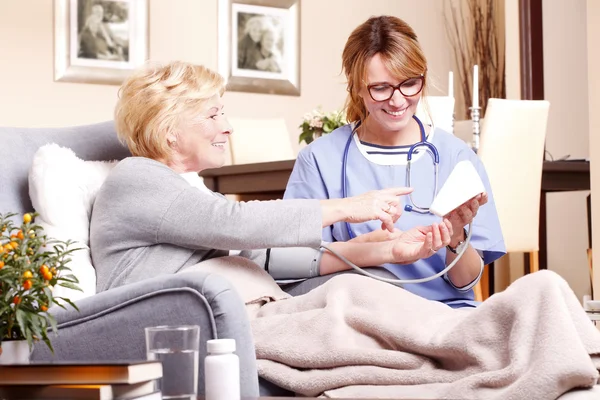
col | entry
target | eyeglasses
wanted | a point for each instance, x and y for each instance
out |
(408, 88)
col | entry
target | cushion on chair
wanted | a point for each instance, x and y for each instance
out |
(62, 188)
(90, 142)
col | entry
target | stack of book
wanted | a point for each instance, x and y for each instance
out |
(85, 381)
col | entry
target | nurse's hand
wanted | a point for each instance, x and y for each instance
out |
(383, 205)
(463, 216)
(420, 242)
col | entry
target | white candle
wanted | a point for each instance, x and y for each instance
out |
(450, 84)
(475, 86)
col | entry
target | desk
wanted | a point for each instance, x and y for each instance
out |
(268, 181)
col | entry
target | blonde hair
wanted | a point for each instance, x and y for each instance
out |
(255, 20)
(395, 41)
(154, 99)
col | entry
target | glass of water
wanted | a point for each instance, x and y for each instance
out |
(177, 347)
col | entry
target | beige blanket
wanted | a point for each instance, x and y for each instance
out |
(254, 285)
(358, 337)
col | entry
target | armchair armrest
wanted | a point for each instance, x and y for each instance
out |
(110, 325)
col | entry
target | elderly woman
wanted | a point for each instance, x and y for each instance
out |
(153, 214)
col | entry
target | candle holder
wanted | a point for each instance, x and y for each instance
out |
(475, 113)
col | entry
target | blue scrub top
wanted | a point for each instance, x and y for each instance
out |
(317, 174)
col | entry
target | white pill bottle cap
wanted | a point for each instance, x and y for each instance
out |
(220, 346)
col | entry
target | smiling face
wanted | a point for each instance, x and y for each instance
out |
(393, 115)
(267, 40)
(200, 141)
(255, 29)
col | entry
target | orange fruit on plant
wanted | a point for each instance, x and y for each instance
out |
(14, 245)
(27, 218)
(1, 264)
(27, 275)
(27, 284)
(43, 308)
(17, 300)
(43, 269)
(47, 275)
(20, 235)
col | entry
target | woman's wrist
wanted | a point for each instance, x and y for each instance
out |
(333, 211)
(387, 250)
(457, 237)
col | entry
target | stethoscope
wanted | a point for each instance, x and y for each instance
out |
(431, 149)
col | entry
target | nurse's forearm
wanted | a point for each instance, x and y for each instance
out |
(362, 254)
(467, 269)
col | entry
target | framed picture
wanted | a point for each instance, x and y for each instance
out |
(99, 41)
(259, 45)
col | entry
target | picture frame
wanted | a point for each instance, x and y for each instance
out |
(259, 45)
(99, 41)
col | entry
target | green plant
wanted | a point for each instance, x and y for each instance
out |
(31, 264)
(316, 123)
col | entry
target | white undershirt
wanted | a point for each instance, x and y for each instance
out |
(194, 179)
(390, 155)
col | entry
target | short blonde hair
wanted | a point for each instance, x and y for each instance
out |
(154, 99)
(396, 42)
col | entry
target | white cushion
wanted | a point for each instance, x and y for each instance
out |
(62, 188)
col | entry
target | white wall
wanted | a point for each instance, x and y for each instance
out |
(593, 35)
(566, 87)
(187, 30)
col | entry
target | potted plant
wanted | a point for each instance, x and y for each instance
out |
(316, 123)
(31, 264)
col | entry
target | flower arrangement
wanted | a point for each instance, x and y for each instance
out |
(316, 123)
(31, 264)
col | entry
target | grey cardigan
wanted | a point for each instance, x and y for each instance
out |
(148, 220)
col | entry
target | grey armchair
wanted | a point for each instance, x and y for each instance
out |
(110, 325)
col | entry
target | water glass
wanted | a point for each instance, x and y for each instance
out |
(177, 347)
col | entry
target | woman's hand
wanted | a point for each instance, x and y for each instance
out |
(383, 205)
(463, 216)
(420, 242)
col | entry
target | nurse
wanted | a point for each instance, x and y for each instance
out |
(386, 72)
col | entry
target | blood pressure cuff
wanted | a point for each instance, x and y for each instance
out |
(293, 262)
